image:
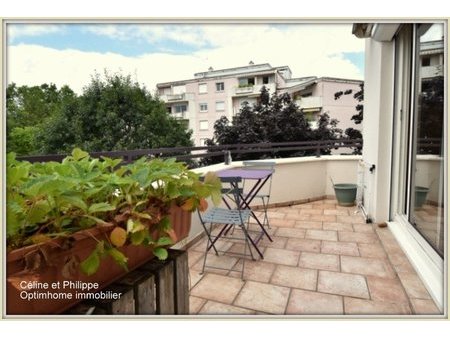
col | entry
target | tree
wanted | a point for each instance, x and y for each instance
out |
(274, 118)
(114, 113)
(351, 133)
(28, 109)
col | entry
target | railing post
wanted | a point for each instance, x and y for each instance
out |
(318, 150)
(227, 157)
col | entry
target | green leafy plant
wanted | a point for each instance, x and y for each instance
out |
(55, 200)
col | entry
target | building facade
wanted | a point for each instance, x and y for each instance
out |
(215, 93)
(405, 141)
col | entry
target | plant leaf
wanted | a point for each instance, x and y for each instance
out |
(161, 253)
(75, 201)
(79, 154)
(138, 237)
(91, 264)
(100, 207)
(162, 241)
(118, 257)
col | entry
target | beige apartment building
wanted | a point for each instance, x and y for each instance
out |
(215, 93)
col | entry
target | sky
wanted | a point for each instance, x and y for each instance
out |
(70, 53)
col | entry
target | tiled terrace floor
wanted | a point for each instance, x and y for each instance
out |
(324, 260)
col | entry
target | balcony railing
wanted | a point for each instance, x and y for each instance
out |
(173, 97)
(431, 71)
(254, 89)
(309, 102)
(275, 150)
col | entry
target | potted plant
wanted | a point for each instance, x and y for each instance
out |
(91, 220)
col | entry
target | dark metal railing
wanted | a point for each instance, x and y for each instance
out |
(223, 151)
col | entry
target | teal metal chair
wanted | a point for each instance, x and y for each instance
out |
(264, 193)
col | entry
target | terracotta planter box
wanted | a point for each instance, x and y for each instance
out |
(22, 285)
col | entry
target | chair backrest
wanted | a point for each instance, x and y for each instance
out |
(233, 189)
(270, 165)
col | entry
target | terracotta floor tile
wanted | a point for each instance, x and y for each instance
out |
(413, 285)
(194, 277)
(301, 244)
(324, 206)
(193, 257)
(386, 290)
(263, 297)
(367, 266)
(371, 250)
(309, 225)
(277, 242)
(259, 271)
(323, 218)
(287, 223)
(290, 232)
(358, 237)
(366, 228)
(355, 306)
(304, 218)
(214, 308)
(314, 303)
(401, 263)
(294, 277)
(335, 212)
(337, 226)
(319, 261)
(195, 304)
(424, 307)
(281, 256)
(302, 206)
(342, 284)
(219, 288)
(311, 212)
(340, 248)
(326, 235)
(351, 219)
(223, 261)
(275, 214)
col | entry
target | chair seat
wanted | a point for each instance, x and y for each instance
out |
(259, 195)
(226, 216)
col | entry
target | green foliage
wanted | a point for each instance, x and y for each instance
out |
(275, 118)
(351, 133)
(48, 200)
(113, 113)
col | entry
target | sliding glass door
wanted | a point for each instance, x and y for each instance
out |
(426, 190)
(419, 132)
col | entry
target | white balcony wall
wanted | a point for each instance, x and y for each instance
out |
(309, 102)
(295, 180)
(254, 89)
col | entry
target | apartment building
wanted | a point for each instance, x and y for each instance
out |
(209, 95)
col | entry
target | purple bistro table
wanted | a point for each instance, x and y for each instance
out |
(258, 177)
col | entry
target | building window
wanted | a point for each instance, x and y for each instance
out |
(204, 125)
(203, 107)
(247, 82)
(220, 106)
(220, 86)
(202, 88)
(425, 62)
(180, 108)
(265, 80)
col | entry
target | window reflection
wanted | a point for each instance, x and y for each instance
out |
(427, 201)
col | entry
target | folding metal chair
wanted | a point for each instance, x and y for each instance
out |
(234, 215)
(264, 193)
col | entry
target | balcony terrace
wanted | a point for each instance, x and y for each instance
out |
(324, 259)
